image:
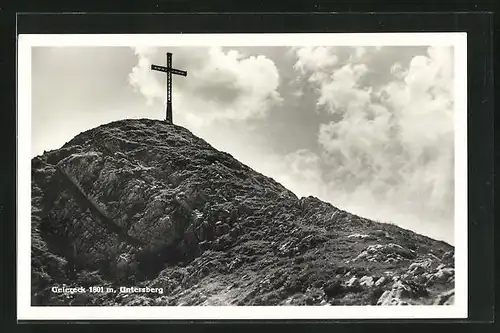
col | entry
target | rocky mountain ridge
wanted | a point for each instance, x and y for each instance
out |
(146, 204)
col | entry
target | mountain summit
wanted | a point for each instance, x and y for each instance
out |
(142, 212)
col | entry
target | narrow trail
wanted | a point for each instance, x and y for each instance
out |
(88, 203)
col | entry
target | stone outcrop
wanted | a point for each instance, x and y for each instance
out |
(146, 204)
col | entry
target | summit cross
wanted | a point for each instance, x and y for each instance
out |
(169, 70)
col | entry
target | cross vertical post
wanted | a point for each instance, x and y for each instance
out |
(169, 87)
(169, 70)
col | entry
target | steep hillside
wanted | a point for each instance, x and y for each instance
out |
(146, 204)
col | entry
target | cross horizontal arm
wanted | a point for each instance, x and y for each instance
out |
(178, 72)
(159, 68)
(167, 70)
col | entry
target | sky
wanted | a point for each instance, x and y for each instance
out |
(367, 128)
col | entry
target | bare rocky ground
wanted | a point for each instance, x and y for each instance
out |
(148, 204)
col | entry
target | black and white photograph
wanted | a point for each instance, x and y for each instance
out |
(316, 176)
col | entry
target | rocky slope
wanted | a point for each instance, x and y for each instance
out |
(143, 203)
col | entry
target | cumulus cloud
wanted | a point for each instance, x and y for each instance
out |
(222, 85)
(315, 58)
(141, 77)
(360, 52)
(315, 61)
(341, 93)
(387, 153)
(398, 71)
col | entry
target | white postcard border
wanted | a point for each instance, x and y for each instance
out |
(27, 312)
